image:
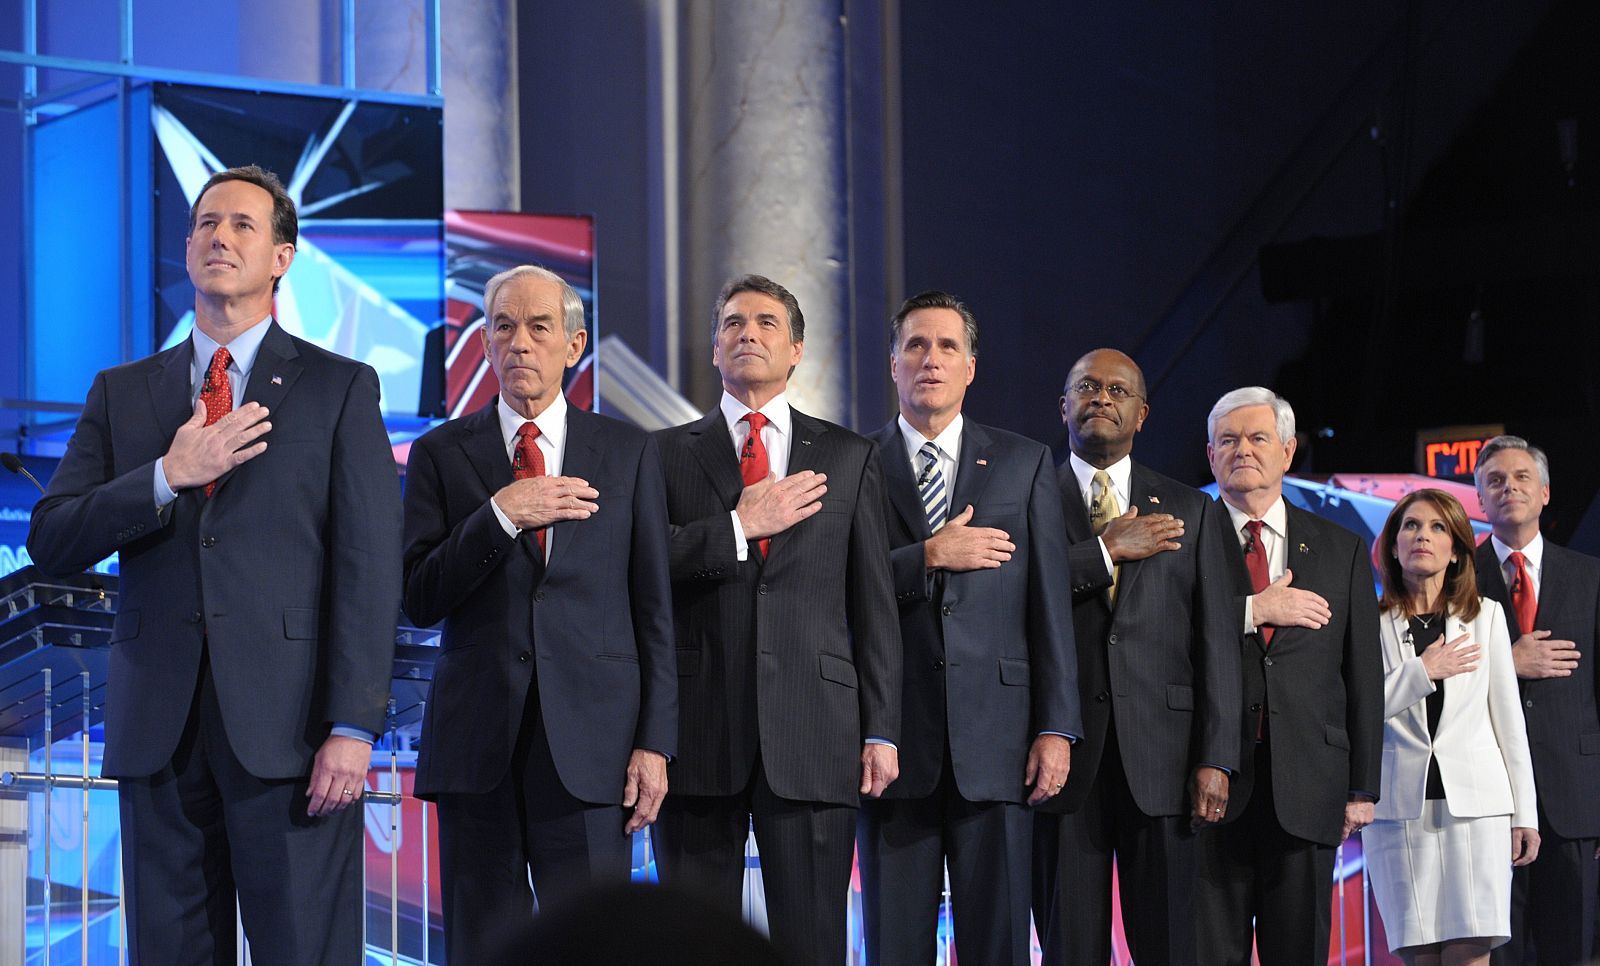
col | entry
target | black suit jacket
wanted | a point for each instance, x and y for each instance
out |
(796, 657)
(989, 657)
(592, 629)
(1163, 665)
(290, 572)
(1324, 687)
(1562, 714)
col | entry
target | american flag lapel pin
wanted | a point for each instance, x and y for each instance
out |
(983, 462)
(1304, 548)
(277, 380)
(1155, 499)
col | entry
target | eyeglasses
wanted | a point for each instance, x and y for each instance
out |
(1090, 389)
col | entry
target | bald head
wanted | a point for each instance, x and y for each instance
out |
(1103, 406)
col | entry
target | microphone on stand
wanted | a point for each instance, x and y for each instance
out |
(13, 463)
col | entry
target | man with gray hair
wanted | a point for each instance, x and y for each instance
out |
(553, 708)
(1551, 598)
(1313, 700)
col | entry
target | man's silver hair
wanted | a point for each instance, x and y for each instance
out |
(1503, 442)
(1282, 412)
(571, 304)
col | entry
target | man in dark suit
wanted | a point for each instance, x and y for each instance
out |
(538, 533)
(1551, 596)
(254, 636)
(990, 697)
(1158, 669)
(788, 646)
(1313, 700)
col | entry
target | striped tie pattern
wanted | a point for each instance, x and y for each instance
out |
(930, 483)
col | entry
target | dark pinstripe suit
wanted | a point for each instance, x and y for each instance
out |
(1159, 677)
(784, 666)
(1553, 900)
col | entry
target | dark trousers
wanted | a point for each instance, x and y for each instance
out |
(203, 831)
(489, 844)
(903, 846)
(1250, 868)
(1553, 903)
(1155, 862)
(805, 848)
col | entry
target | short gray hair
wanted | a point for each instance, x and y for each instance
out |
(1282, 412)
(571, 302)
(1504, 442)
(935, 299)
(761, 285)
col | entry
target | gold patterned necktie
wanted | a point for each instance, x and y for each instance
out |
(1102, 510)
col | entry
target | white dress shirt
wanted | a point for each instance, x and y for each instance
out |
(552, 443)
(1121, 473)
(1533, 553)
(242, 351)
(1274, 538)
(776, 436)
(948, 445)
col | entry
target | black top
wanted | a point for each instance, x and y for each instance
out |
(1425, 629)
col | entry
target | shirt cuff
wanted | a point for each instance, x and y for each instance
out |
(1249, 614)
(741, 546)
(510, 528)
(1225, 771)
(164, 492)
(1105, 554)
(1357, 795)
(351, 731)
(1061, 734)
(881, 741)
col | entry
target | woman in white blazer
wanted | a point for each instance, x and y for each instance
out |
(1457, 805)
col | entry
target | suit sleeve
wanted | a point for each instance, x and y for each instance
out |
(1053, 650)
(444, 564)
(1216, 644)
(1505, 716)
(703, 550)
(909, 567)
(1087, 563)
(874, 619)
(363, 594)
(650, 591)
(87, 514)
(1363, 676)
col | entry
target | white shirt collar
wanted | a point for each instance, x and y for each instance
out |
(776, 410)
(948, 442)
(1533, 552)
(242, 349)
(1121, 473)
(1276, 518)
(552, 422)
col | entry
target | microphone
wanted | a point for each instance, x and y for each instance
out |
(14, 464)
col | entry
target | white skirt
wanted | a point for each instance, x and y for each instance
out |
(1440, 877)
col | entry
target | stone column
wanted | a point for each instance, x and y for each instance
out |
(762, 178)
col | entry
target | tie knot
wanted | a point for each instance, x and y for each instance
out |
(1517, 559)
(1254, 529)
(528, 431)
(929, 452)
(1102, 479)
(221, 360)
(756, 420)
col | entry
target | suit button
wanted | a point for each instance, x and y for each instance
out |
(523, 657)
(1111, 639)
(1528, 703)
(938, 665)
(194, 617)
(1266, 661)
(762, 590)
(538, 596)
(1101, 696)
(209, 542)
(1255, 707)
(948, 611)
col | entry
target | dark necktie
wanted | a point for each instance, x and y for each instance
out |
(1522, 599)
(217, 393)
(930, 486)
(753, 467)
(1255, 558)
(528, 460)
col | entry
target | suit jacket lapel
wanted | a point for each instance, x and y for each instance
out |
(170, 388)
(972, 469)
(276, 368)
(485, 448)
(713, 447)
(1301, 541)
(900, 483)
(1492, 581)
(1077, 514)
(805, 451)
(1140, 488)
(581, 459)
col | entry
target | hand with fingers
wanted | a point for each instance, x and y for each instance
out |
(1444, 660)
(199, 454)
(1049, 762)
(1135, 537)
(1538, 655)
(538, 501)
(1283, 605)
(773, 505)
(338, 775)
(645, 788)
(959, 546)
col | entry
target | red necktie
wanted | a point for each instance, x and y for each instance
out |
(1522, 599)
(527, 460)
(1255, 558)
(217, 393)
(753, 467)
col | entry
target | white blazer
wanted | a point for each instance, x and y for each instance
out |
(1482, 740)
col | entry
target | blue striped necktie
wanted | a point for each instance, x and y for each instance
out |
(930, 483)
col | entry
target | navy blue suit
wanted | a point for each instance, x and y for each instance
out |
(248, 623)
